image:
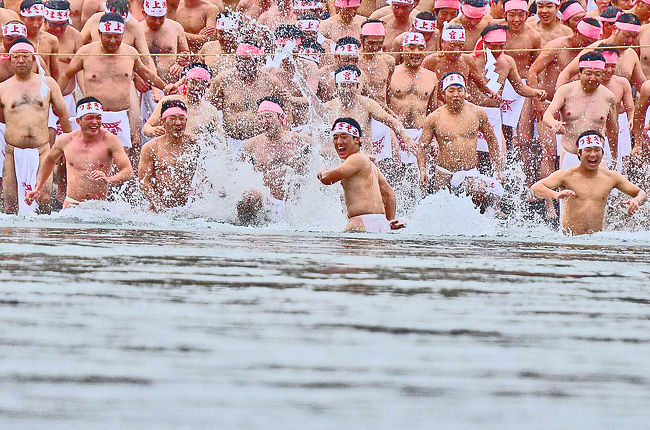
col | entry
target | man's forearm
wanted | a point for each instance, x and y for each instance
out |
(121, 176)
(542, 191)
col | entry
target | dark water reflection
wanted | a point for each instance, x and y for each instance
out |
(106, 328)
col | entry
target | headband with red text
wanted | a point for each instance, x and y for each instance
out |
(89, 108)
(345, 128)
(14, 29)
(424, 25)
(111, 27)
(57, 15)
(37, 9)
(414, 39)
(591, 141)
(155, 8)
(453, 79)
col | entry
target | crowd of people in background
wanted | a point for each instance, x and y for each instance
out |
(448, 94)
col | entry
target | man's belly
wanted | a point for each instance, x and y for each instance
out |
(114, 95)
(24, 134)
(458, 157)
(81, 187)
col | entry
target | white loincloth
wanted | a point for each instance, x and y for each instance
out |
(117, 122)
(406, 156)
(72, 202)
(3, 127)
(147, 105)
(624, 142)
(512, 105)
(375, 223)
(26, 163)
(53, 120)
(235, 146)
(381, 141)
(494, 118)
(276, 207)
(492, 185)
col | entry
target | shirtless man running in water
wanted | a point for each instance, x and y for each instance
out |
(369, 199)
(585, 188)
(89, 154)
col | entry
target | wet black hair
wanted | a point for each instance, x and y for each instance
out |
(610, 12)
(226, 14)
(119, 6)
(275, 100)
(353, 122)
(348, 40)
(57, 4)
(606, 47)
(26, 4)
(476, 3)
(350, 67)
(111, 17)
(426, 15)
(591, 56)
(493, 27)
(588, 133)
(20, 40)
(312, 44)
(569, 3)
(629, 18)
(591, 21)
(288, 30)
(170, 104)
(306, 16)
(88, 99)
(201, 65)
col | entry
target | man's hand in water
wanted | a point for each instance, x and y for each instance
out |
(632, 206)
(396, 224)
(98, 175)
(33, 195)
(564, 194)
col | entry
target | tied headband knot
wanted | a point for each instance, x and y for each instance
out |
(414, 39)
(345, 128)
(37, 9)
(269, 106)
(89, 108)
(373, 29)
(424, 25)
(174, 111)
(14, 29)
(611, 57)
(589, 31)
(111, 27)
(156, 8)
(349, 49)
(591, 141)
(453, 79)
(592, 64)
(346, 76)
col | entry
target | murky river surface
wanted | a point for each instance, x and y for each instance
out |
(236, 328)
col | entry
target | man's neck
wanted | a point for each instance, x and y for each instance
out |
(586, 171)
(23, 76)
(455, 110)
(411, 70)
(348, 102)
(548, 25)
(173, 140)
(276, 135)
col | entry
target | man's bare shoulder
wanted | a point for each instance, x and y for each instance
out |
(567, 88)
(47, 37)
(127, 49)
(90, 47)
(175, 25)
(609, 94)
(153, 144)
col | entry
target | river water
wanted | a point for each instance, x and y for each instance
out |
(138, 323)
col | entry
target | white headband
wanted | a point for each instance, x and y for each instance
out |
(424, 25)
(309, 54)
(350, 49)
(57, 15)
(88, 108)
(111, 27)
(37, 9)
(227, 23)
(307, 4)
(308, 24)
(453, 79)
(591, 141)
(345, 128)
(14, 29)
(453, 35)
(346, 76)
(414, 39)
(155, 8)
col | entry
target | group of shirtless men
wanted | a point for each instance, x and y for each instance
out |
(455, 91)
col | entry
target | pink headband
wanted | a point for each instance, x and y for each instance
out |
(571, 10)
(174, 111)
(155, 8)
(473, 11)
(446, 4)
(22, 46)
(495, 36)
(516, 5)
(343, 4)
(14, 29)
(89, 108)
(626, 26)
(592, 64)
(414, 39)
(591, 141)
(611, 57)
(198, 73)
(424, 25)
(373, 29)
(247, 49)
(588, 30)
(345, 128)
(269, 106)
(403, 2)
